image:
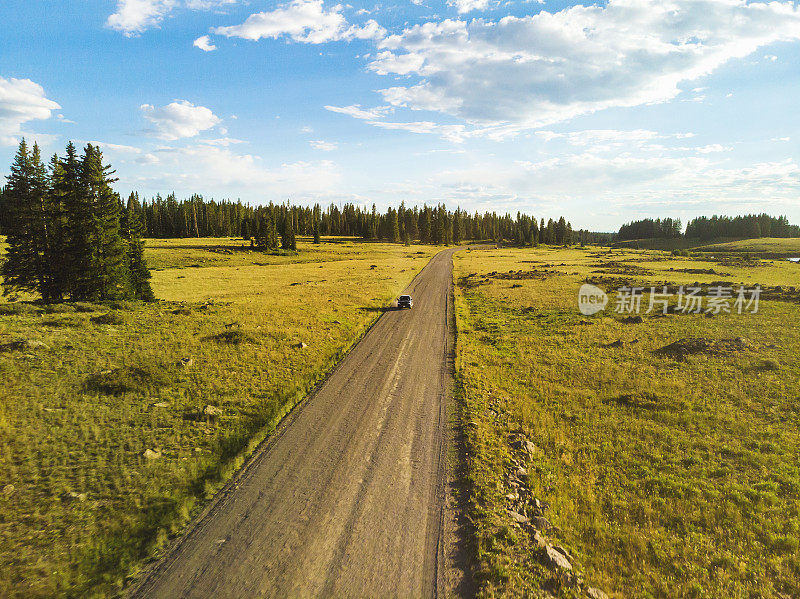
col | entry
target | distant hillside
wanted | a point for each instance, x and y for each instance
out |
(765, 246)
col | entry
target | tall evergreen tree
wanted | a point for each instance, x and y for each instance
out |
(138, 273)
(458, 234)
(107, 273)
(21, 267)
(288, 241)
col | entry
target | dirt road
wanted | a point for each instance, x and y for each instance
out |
(347, 498)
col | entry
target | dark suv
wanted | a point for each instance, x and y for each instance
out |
(405, 301)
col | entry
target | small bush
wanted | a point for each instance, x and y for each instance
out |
(232, 337)
(130, 379)
(58, 308)
(113, 317)
(16, 308)
(85, 307)
(67, 322)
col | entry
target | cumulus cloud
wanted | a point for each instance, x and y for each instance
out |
(180, 119)
(355, 111)
(21, 101)
(219, 170)
(523, 72)
(325, 146)
(133, 17)
(302, 21)
(465, 6)
(204, 43)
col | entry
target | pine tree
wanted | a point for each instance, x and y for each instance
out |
(107, 274)
(21, 266)
(457, 226)
(288, 241)
(69, 187)
(394, 225)
(57, 281)
(139, 274)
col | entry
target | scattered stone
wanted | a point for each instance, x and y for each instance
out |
(517, 517)
(73, 496)
(562, 551)
(301, 345)
(541, 506)
(212, 411)
(531, 448)
(185, 362)
(539, 539)
(556, 559)
(8, 490)
(512, 496)
(521, 472)
(149, 454)
(542, 523)
(161, 404)
(595, 593)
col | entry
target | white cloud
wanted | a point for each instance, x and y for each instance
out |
(465, 6)
(218, 170)
(204, 43)
(133, 17)
(21, 101)
(180, 119)
(325, 146)
(121, 148)
(527, 72)
(302, 21)
(355, 111)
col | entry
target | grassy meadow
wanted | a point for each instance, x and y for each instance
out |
(118, 420)
(659, 474)
(766, 246)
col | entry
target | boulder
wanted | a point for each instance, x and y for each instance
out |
(150, 454)
(517, 517)
(556, 559)
(212, 411)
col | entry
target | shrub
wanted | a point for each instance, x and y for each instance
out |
(113, 317)
(137, 379)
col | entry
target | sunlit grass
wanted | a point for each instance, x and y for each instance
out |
(82, 505)
(665, 478)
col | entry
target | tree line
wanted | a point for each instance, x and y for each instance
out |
(274, 225)
(67, 231)
(751, 226)
(648, 228)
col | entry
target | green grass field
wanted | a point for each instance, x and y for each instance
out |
(772, 247)
(664, 477)
(117, 421)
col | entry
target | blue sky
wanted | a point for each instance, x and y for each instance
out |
(601, 112)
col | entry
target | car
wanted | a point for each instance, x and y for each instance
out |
(405, 301)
